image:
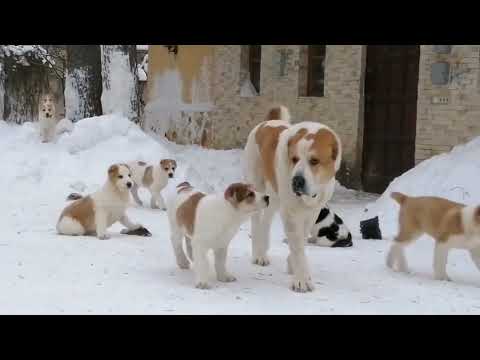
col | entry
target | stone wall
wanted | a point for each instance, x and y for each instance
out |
(442, 126)
(234, 116)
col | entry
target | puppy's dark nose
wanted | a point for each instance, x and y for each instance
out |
(170, 175)
(267, 199)
(129, 184)
(298, 184)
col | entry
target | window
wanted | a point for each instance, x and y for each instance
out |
(312, 70)
(254, 65)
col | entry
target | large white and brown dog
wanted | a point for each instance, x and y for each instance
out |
(452, 225)
(95, 213)
(296, 165)
(152, 177)
(209, 222)
(47, 120)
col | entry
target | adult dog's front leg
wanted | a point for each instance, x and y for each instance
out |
(297, 260)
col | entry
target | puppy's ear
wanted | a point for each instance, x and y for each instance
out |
(174, 163)
(112, 171)
(230, 193)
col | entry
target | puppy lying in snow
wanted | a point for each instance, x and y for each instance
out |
(95, 213)
(152, 177)
(452, 225)
(210, 222)
(329, 230)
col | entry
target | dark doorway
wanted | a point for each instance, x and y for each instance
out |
(391, 89)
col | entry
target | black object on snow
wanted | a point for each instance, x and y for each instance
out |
(139, 232)
(370, 229)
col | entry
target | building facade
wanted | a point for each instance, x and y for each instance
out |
(393, 106)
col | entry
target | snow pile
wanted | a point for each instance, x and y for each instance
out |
(85, 153)
(453, 175)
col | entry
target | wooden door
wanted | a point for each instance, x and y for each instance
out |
(391, 88)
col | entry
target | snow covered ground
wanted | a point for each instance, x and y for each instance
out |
(43, 273)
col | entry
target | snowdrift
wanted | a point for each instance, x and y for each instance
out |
(454, 175)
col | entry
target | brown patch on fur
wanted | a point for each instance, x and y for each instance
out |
(148, 176)
(238, 192)
(141, 163)
(82, 211)
(168, 162)
(477, 215)
(186, 212)
(293, 141)
(113, 171)
(274, 114)
(325, 150)
(267, 140)
(437, 217)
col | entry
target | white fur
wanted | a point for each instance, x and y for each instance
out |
(216, 223)
(68, 226)
(160, 181)
(298, 213)
(109, 206)
(47, 118)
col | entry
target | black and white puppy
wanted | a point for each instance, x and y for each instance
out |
(329, 230)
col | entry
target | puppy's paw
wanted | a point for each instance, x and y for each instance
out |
(261, 260)
(302, 285)
(202, 285)
(226, 278)
(312, 240)
(103, 237)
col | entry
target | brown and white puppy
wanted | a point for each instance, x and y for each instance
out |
(95, 213)
(154, 178)
(450, 224)
(210, 222)
(47, 118)
(296, 165)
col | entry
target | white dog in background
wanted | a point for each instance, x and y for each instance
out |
(210, 222)
(47, 118)
(154, 178)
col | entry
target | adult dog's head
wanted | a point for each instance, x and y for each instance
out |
(120, 177)
(47, 106)
(314, 156)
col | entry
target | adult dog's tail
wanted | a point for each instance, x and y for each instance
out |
(279, 112)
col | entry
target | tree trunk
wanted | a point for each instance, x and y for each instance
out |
(83, 85)
(22, 88)
(120, 81)
(2, 88)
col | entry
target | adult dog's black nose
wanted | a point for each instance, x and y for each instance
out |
(298, 184)
(267, 199)
(129, 185)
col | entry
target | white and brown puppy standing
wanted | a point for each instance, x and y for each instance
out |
(154, 178)
(47, 120)
(95, 213)
(450, 224)
(296, 165)
(209, 222)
